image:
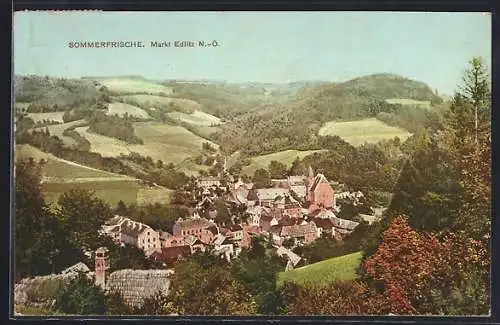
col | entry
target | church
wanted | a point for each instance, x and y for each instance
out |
(320, 194)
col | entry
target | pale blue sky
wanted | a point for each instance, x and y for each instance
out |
(255, 46)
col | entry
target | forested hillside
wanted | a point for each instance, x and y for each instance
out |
(295, 124)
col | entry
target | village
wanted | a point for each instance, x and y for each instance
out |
(295, 210)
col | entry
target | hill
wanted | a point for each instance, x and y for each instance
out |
(169, 143)
(295, 124)
(49, 94)
(133, 85)
(341, 268)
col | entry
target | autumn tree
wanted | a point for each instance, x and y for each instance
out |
(421, 273)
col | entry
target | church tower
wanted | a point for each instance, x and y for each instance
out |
(101, 266)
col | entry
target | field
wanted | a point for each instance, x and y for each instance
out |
(368, 130)
(121, 109)
(168, 143)
(286, 157)
(133, 85)
(58, 129)
(60, 175)
(52, 116)
(410, 102)
(160, 102)
(341, 268)
(196, 118)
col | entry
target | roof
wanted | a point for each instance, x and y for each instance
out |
(286, 199)
(271, 193)
(193, 223)
(322, 213)
(323, 223)
(78, 267)
(213, 229)
(296, 230)
(171, 254)
(288, 221)
(300, 190)
(344, 224)
(276, 229)
(320, 178)
(368, 218)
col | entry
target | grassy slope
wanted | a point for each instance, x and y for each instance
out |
(161, 141)
(62, 175)
(121, 108)
(341, 268)
(366, 130)
(286, 157)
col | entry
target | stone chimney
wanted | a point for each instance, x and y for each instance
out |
(101, 266)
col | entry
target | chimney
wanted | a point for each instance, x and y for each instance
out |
(101, 266)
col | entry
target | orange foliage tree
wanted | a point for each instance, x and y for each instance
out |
(419, 273)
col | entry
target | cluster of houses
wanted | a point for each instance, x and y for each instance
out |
(297, 209)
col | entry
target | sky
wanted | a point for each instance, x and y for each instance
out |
(255, 46)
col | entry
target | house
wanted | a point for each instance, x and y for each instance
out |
(209, 181)
(322, 214)
(303, 234)
(343, 227)
(266, 222)
(248, 232)
(286, 205)
(172, 255)
(255, 212)
(368, 218)
(199, 227)
(320, 193)
(126, 231)
(236, 232)
(266, 196)
(223, 246)
(149, 240)
(324, 226)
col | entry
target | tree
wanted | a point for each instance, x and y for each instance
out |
(277, 170)
(421, 273)
(476, 89)
(216, 292)
(258, 271)
(37, 230)
(82, 215)
(427, 189)
(82, 297)
(261, 178)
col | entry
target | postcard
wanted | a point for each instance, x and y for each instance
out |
(251, 163)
